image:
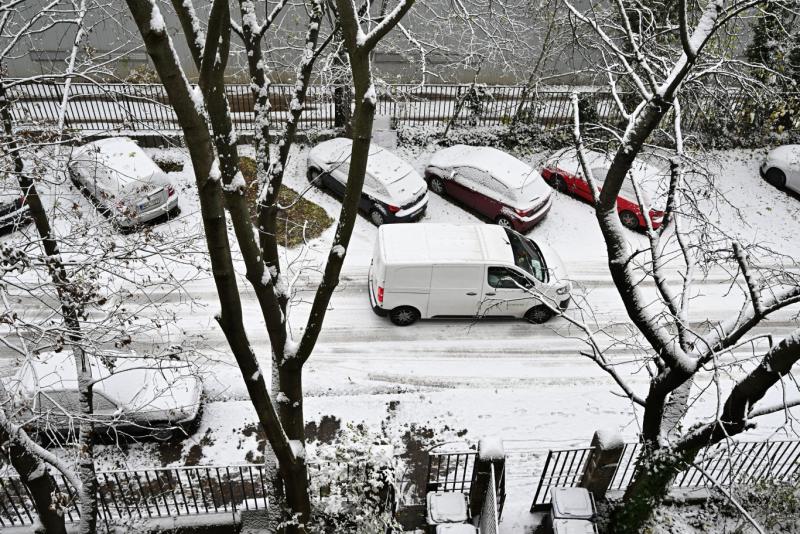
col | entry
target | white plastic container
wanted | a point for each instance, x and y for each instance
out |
(447, 507)
(572, 503)
(573, 526)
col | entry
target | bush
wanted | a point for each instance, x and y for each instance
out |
(356, 480)
(299, 219)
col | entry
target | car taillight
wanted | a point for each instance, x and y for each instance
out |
(393, 209)
(170, 190)
(523, 213)
(380, 294)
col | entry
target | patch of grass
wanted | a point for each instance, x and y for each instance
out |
(300, 212)
(168, 164)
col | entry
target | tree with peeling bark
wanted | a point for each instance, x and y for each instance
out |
(675, 348)
(215, 157)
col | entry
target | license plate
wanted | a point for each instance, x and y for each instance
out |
(149, 204)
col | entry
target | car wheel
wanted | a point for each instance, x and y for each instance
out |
(629, 220)
(313, 177)
(505, 222)
(561, 185)
(376, 216)
(437, 186)
(539, 314)
(404, 315)
(776, 177)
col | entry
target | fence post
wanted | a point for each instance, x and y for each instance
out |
(490, 453)
(607, 447)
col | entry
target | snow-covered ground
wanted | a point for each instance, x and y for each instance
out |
(525, 383)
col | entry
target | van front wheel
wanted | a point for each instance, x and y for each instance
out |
(538, 314)
(404, 315)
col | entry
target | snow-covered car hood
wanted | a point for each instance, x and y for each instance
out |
(555, 265)
(786, 154)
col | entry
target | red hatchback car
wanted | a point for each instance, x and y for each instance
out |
(497, 185)
(564, 173)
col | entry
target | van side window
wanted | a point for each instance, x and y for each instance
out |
(503, 278)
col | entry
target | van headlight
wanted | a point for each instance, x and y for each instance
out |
(563, 290)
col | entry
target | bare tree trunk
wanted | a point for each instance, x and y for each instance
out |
(70, 308)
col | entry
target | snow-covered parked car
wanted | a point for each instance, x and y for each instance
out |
(393, 191)
(447, 270)
(493, 183)
(14, 211)
(123, 181)
(563, 171)
(781, 167)
(139, 397)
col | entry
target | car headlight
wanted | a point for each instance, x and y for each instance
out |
(563, 290)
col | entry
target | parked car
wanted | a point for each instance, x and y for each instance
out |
(563, 172)
(123, 181)
(14, 211)
(493, 183)
(446, 270)
(141, 396)
(393, 191)
(781, 167)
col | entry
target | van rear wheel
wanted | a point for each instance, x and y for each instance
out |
(376, 216)
(539, 314)
(404, 315)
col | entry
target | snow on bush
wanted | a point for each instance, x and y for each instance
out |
(356, 478)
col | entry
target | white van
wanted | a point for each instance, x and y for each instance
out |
(447, 270)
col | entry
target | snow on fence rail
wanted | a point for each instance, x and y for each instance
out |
(490, 511)
(149, 493)
(144, 108)
(728, 464)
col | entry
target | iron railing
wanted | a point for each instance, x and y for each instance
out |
(144, 108)
(149, 493)
(727, 464)
(455, 472)
(451, 471)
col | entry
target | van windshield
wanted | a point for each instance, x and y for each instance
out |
(527, 256)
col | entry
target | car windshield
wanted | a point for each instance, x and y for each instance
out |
(526, 255)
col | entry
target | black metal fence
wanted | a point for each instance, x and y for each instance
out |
(455, 472)
(451, 471)
(144, 108)
(727, 464)
(149, 493)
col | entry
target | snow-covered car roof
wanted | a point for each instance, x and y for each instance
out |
(140, 384)
(122, 158)
(444, 243)
(509, 170)
(382, 164)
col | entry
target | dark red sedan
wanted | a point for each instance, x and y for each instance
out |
(564, 173)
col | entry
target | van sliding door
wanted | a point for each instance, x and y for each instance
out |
(456, 290)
